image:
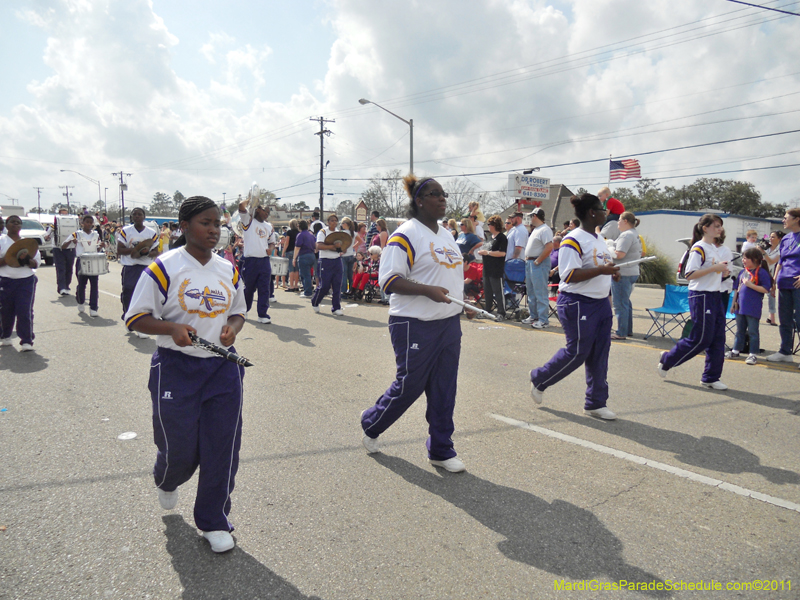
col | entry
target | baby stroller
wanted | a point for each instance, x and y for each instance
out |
(514, 288)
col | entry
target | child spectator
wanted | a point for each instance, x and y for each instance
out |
(753, 282)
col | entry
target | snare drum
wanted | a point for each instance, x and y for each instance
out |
(280, 265)
(66, 225)
(224, 238)
(93, 263)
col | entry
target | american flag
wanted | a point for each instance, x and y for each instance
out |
(625, 169)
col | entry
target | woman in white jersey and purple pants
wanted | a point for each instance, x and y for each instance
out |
(421, 265)
(586, 270)
(704, 270)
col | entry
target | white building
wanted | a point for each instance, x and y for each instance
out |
(663, 227)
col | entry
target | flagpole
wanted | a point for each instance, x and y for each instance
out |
(609, 171)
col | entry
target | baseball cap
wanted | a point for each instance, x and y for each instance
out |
(538, 213)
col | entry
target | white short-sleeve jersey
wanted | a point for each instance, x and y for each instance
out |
(257, 236)
(703, 256)
(321, 235)
(725, 254)
(177, 288)
(129, 237)
(85, 242)
(583, 250)
(415, 252)
(15, 272)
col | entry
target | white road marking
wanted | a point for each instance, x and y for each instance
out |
(640, 460)
(109, 294)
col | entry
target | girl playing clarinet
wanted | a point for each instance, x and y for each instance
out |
(197, 396)
(420, 266)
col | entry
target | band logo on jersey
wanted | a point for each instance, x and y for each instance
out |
(209, 302)
(449, 258)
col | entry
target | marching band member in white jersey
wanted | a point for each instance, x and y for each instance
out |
(420, 265)
(84, 241)
(705, 272)
(17, 289)
(586, 270)
(197, 396)
(256, 268)
(133, 261)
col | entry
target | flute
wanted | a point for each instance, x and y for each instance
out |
(637, 261)
(478, 311)
(199, 342)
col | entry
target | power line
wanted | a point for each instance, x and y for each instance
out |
(786, 12)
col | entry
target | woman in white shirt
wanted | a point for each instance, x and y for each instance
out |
(421, 265)
(196, 396)
(704, 271)
(586, 270)
(17, 289)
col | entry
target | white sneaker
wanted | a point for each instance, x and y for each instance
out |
(6, 342)
(266, 320)
(528, 321)
(272, 299)
(221, 541)
(93, 313)
(25, 347)
(714, 385)
(539, 325)
(604, 413)
(81, 308)
(778, 357)
(167, 500)
(64, 292)
(454, 465)
(661, 371)
(732, 354)
(371, 444)
(339, 312)
(316, 308)
(144, 336)
(536, 394)
(751, 359)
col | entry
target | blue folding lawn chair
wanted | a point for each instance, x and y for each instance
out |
(672, 314)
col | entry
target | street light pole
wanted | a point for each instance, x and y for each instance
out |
(105, 202)
(410, 124)
(99, 197)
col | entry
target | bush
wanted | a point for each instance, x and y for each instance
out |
(660, 271)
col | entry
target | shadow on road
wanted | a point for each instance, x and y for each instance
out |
(208, 576)
(557, 537)
(793, 406)
(21, 362)
(285, 334)
(96, 321)
(714, 454)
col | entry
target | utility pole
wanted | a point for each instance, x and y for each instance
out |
(65, 187)
(322, 132)
(39, 198)
(122, 187)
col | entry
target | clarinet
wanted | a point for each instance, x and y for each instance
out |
(199, 342)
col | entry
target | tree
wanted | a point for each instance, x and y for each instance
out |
(386, 194)
(346, 208)
(162, 205)
(733, 197)
(495, 203)
(177, 200)
(460, 193)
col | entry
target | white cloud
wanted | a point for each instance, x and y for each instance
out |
(115, 100)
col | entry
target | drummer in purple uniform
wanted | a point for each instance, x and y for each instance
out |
(330, 269)
(83, 241)
(586, 271)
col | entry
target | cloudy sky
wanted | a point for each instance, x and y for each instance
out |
(206, 97)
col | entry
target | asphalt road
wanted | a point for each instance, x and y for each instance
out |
(689, 485)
